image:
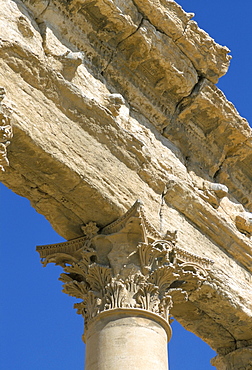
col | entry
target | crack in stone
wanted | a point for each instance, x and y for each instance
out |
(187, 100)
(183, 33)
(43, 11)
(137, 29)
(164, 33)
(228, 156)
(145, 17)
(113, 54)
(109, 62)
(161, 212)
(217, 172)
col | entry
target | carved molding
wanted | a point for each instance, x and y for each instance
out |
(6, 132)
(126, 265)
(187, 201)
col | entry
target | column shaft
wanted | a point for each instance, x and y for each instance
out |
(126, 342)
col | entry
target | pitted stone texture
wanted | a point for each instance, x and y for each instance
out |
(171, 19)
(18, 27)
(79, 155)
(6, 132)
(240, 359)
(244, 223)
(214, 139)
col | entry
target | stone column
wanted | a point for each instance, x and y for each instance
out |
(127, 277)
(127, 339)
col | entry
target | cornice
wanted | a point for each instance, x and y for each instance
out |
(165, 66)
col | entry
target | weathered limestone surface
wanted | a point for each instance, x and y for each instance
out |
(113, 101)
(132, 342)
(6, 132)
(238, 359)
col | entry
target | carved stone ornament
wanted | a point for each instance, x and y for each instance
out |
(126, 265)
(5, 132)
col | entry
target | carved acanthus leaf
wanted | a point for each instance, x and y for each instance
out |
(65, 278)
(60, 259)
(193, 276)
(147, 254)
(87, 257)
(80, 307)
(75, 269)
(147, 297)
(134, 281)
(164, 277)
(91, 306)
(75, 289)
(98, 277)
(115, 295)
(165, 305)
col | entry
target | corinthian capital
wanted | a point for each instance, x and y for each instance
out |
(126, 266)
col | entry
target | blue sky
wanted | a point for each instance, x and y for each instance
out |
(39, 328)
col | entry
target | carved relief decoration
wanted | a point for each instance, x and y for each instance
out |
(126, 265)
(6, 132)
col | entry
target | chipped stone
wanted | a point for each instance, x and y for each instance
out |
(114, 101)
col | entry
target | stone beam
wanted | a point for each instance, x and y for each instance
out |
(108, 106)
